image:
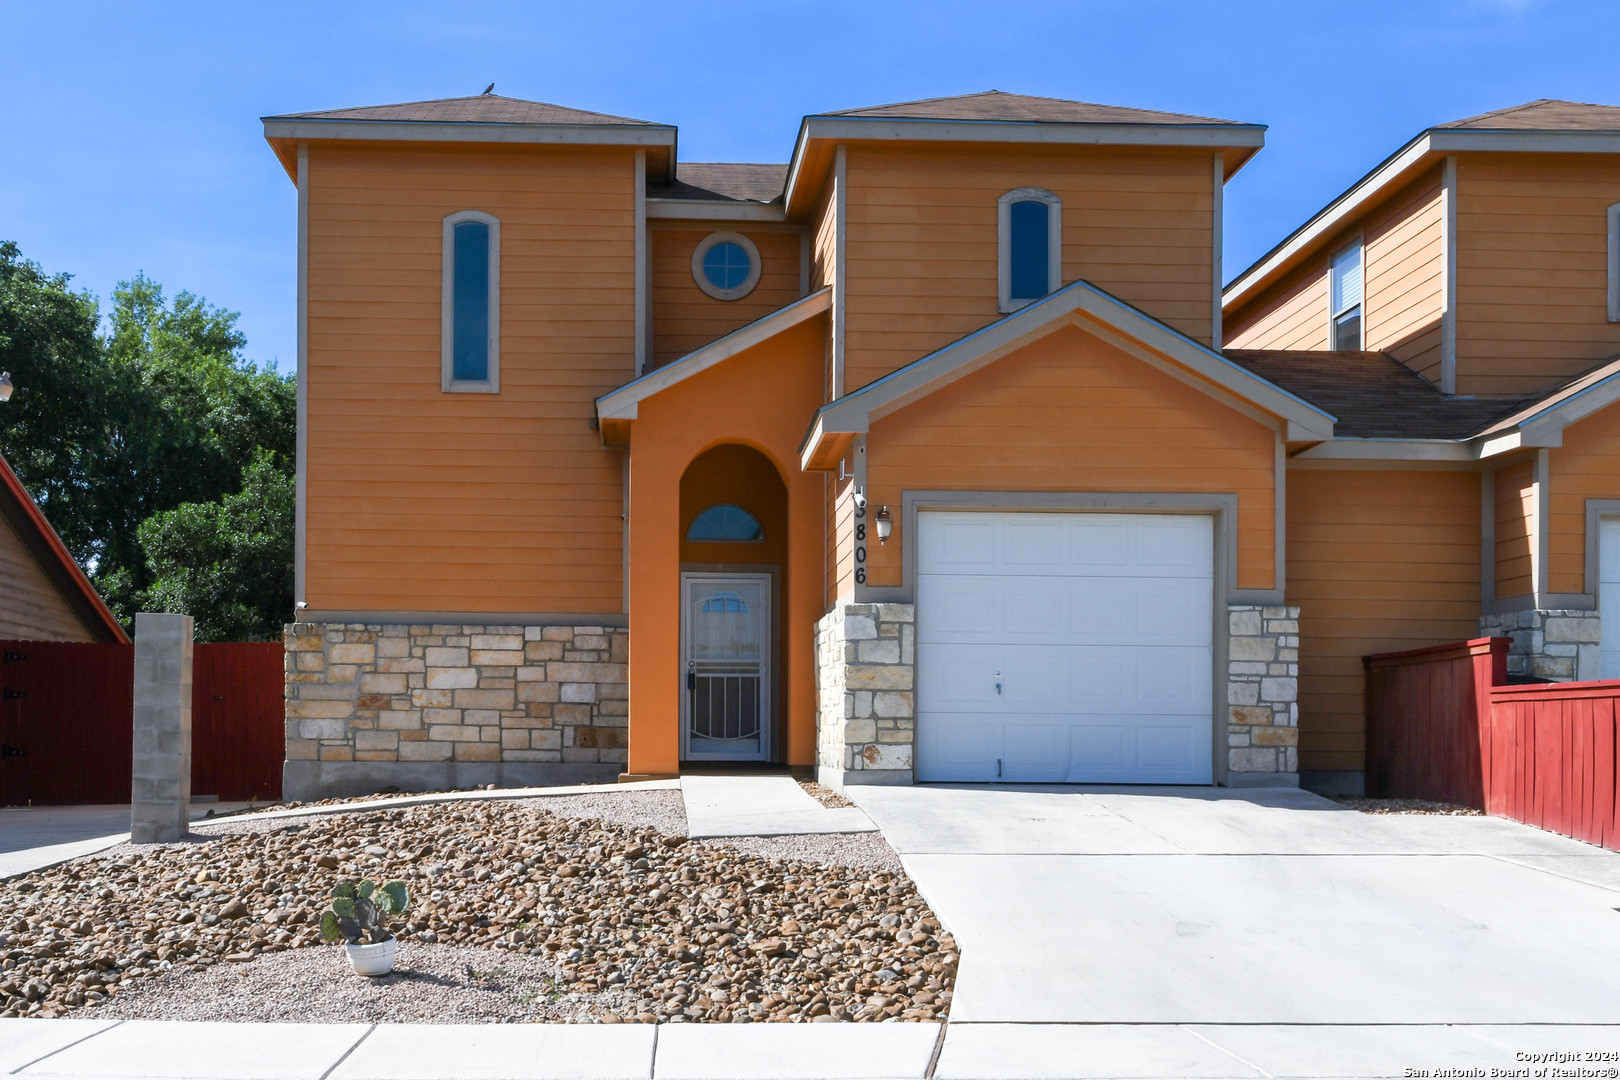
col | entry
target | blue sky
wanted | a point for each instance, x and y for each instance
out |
(129, 134)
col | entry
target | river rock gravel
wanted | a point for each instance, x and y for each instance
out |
(625, 915)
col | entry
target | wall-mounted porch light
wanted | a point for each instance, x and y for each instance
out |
(884, 525)
(5, 386)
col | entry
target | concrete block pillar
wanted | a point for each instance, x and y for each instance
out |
(161, 783)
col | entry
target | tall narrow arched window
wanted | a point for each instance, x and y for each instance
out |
(471, 311)
(1614, 262)
(1030, 246)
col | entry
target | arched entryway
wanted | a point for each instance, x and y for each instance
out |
(733, 562)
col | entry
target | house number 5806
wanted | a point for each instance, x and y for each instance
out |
(860, 545)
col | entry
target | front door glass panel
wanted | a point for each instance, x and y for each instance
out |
(726, 670)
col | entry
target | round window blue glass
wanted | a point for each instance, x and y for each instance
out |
(726, 266)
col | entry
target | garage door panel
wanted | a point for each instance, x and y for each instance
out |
(1097, 545)
(1099, 679)
(1035, 752)
(987, 610)
(964, 747)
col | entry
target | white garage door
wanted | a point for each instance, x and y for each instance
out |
(1064, 647)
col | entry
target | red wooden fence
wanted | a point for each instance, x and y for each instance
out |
(1442, 724)
(237, 727)
(66, 721)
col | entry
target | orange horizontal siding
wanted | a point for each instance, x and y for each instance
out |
(685, 317)
(422, 500)
(1377, 561)
(1515, 518)
(1531, 269)
(922, 258)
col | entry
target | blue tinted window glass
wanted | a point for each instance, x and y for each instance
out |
(470, 306)
(1029, 253)
(725, 522)
(726, 266)
(726, 603)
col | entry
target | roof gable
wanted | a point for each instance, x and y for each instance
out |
(1545, 126)
(482, 109)
(1022, 108)
(1547, 114)
(69, 579)
(1079, 303)
(622, 405)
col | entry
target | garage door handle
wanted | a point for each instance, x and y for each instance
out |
(998, 682)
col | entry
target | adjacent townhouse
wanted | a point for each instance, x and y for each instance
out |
(924, 456)
(1458, 311)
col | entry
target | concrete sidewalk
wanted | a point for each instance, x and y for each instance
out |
(761, 806)
(148, 1050)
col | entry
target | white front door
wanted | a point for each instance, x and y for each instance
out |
(1065, 647)
(725, 667)
(1608, 597)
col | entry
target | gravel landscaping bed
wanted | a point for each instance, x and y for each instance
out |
(430, 984)
(826, 796)
(1404, 806)
(600, 894)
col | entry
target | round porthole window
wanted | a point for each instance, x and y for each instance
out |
(726, 265)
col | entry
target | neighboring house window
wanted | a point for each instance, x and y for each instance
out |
(726, 265)
(1029, 227)
(471, 312)
(1614, 263)
(1344, 291)
(725, 523)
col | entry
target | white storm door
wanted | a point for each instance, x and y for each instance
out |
(1609, 596)
(725, 667)
(1065, 647)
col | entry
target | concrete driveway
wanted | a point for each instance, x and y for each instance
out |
(36, 836)
(1200, 931)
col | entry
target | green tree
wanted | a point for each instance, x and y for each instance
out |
(109, 431)
(231, 560)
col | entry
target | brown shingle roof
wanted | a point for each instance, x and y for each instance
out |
(996, 105)
(723, 181)
(1374, 395)
(1544, 115)
(483, 109)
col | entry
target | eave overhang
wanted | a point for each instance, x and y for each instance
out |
(616, 409)
(659, 140)
(818, 135)
(1540, 424)
(1389, 176)
(1096, 311)
(712, 210)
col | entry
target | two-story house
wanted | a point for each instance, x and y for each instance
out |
(915, 458)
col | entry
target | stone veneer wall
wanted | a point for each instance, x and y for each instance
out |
(431, 707)
(866, 684)
(1262, 694)
(1551, 644)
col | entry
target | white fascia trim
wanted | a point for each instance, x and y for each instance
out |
(1432, 141)
(1389, 450)
(469, 131)
(622, 403)
(710, 210)
(855, 411)
(1328, 218)
(889, 129)
(1547, 423)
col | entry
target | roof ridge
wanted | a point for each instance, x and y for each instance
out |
(317, 113)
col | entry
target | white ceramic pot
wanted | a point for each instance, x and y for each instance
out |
(372, 959)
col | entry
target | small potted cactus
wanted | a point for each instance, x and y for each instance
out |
(357, 915)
